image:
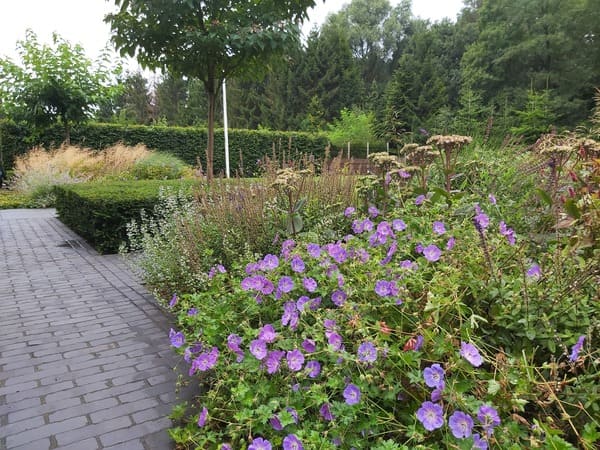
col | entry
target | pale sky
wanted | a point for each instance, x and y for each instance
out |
(81, 21)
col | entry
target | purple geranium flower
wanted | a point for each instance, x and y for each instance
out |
(461, 424)
(431, 415)
(408, 264)
(269, 262)
(432, 253)
(192, 312)
(338, 297)
(309, 284)
(373, 211)
(492, 199)
(479, 443)
(295, 360)
(577, 348)
(314, 368)
(450, 244)
(436, 394)
(337, 252)
(297, 264)
(173, 301)
(438, 227)
(349, 211)
(489, 418)
(290, 315)
(202, 417)
(273, 360)
(276, 423)
(260, 444)
(419, 200)
(309, 345)
(291, 442)
(258, 348)
(367, 352)
(434, 376)
(334, 339)
(267, 333)
(352, 394)
(205, 361)
(177, 338)
(398, 225)
(534, 271)
(325, 411)
(471, 354)
(329, 324)
(313, 250)
(286, 284)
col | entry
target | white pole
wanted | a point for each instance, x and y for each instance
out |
(227, 174)
(367, 149)
(348, 149)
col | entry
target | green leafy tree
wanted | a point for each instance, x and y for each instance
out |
(353, 126)
(209, 40)
(132, 105)
(55, 83)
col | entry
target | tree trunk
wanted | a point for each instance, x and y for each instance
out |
(210, 148)
(67, 133)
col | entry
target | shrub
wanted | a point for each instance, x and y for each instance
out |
(159, 166)
(12, 199)
(428, 328)
(99, 212)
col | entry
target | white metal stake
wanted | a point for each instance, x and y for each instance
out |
(227, 173)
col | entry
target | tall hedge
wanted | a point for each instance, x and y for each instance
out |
(246, 147)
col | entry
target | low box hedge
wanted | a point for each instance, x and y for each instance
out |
(99, 212)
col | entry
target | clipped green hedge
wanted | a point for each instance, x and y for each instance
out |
(99, 212)
(246, 147)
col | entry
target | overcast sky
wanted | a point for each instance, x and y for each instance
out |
(81, 21)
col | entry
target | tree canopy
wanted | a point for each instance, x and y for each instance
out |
(209, 40)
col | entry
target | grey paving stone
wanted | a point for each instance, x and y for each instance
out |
(85, 361)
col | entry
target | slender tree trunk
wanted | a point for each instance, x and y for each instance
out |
(67, 133)
(210, 148)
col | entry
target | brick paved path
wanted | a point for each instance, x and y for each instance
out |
(84, 356)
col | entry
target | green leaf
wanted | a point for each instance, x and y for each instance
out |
(544, 196)
(572, 209)
(294, 224)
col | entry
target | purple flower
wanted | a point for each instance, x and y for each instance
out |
(419, 200)
(192, 312)
(367, 225)
(352, 394)
(398, 225)
(273, 360)
(419, 248)
(450, 244)
(202, 417)
(287, 246)
(258, 348)
(492, 199)
(436, 394)
(286, 284)
(329, 324)
(313, 250)
(434, 376)
(337, 252)
(488, 417)
(335, 340)
(408, 264)
(471, 354)
(173, 301)
(233, 342)
(295, 360)
(577, 348)
(403, 174)
(432, 253)
(382, 288)
(431, 415)
(309, 345)
(267, 333)
(479, 443)
(290, 315)
(276, 423)
(309, 284)
(438, 227)
(177, 338)
(357, 226)
(297, 264)
(482, 221)
(225, 447)
(205, 361)
(269, 262)
(367, 352)
(291, 442)
(314, 368)
(260, 444)
(325, 412)
(534, 271)
(373, 211)
(509, 233)
(419, 343)
(461, 424)
(338, 297)
(292, 412)
(349, 211)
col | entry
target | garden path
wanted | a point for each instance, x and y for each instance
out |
(85, 361)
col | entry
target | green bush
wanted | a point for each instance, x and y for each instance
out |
(12, 199)
(100, 212)
(246, 147)
(159, 166)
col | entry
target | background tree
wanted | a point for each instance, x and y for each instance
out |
(132, 105)
(55, 83)
(209, 40)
